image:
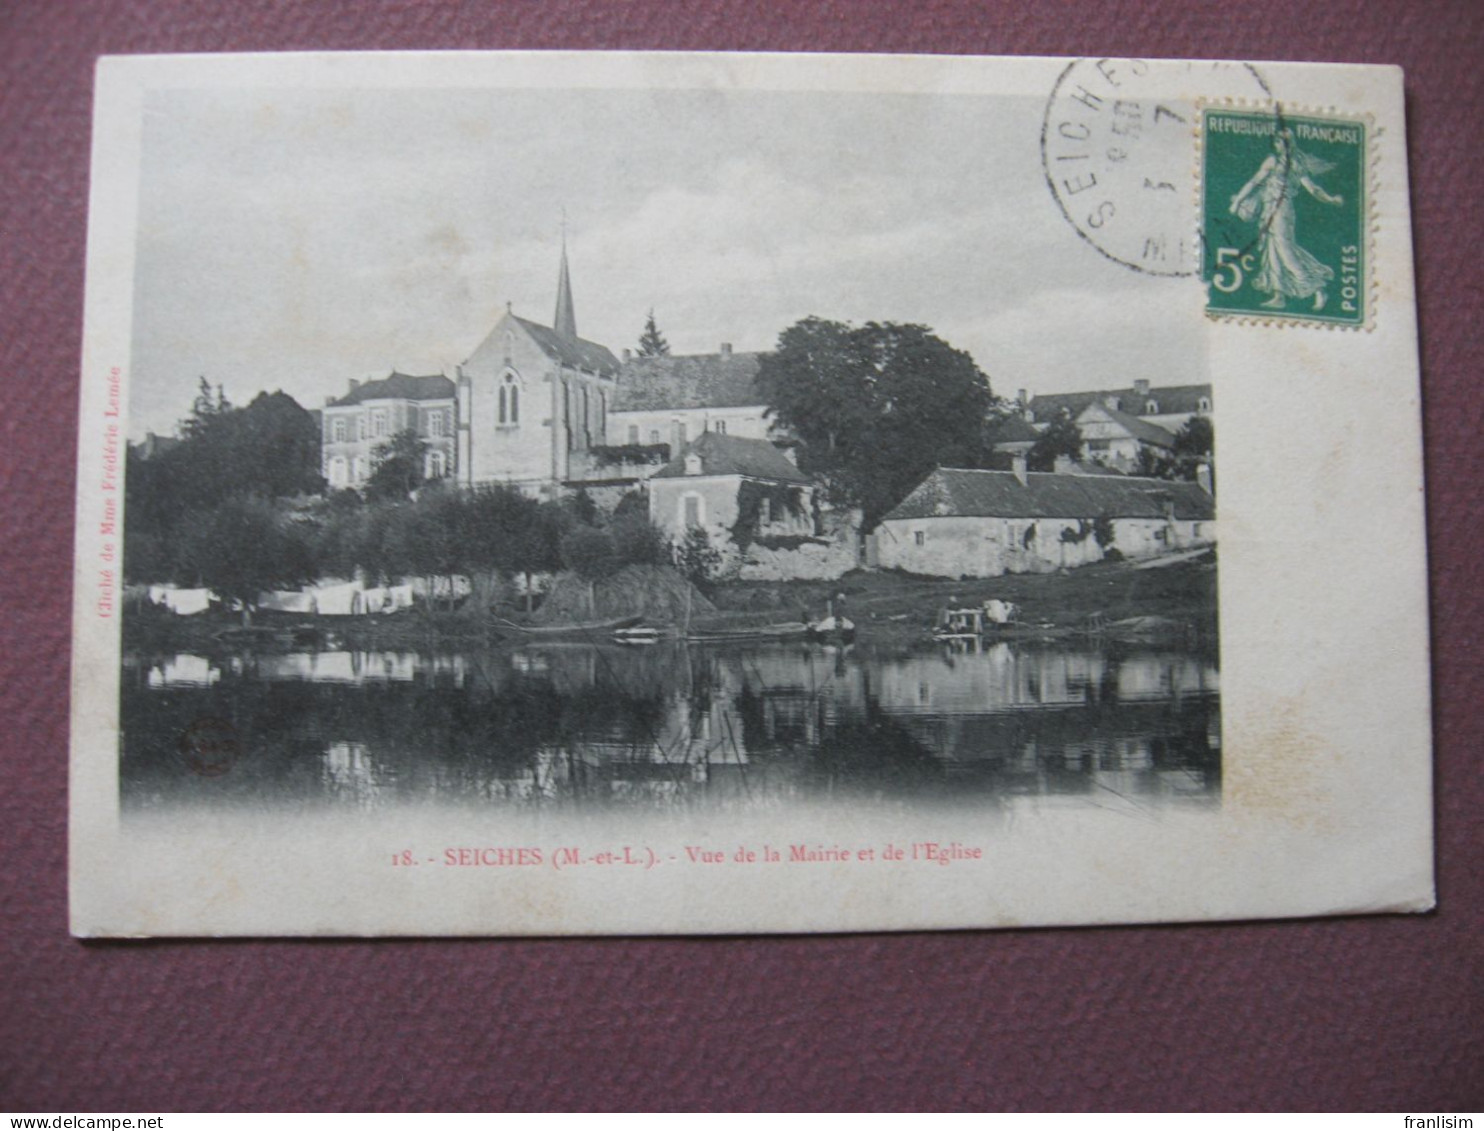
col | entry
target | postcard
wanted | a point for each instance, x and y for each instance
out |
(541, 494)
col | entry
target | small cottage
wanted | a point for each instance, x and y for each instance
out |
(969, 523)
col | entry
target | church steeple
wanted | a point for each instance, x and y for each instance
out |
(565, 319)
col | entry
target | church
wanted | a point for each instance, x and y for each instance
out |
(539, 408)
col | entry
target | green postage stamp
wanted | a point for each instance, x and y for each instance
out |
(1283, 209)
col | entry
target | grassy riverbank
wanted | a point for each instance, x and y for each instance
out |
(889, 609)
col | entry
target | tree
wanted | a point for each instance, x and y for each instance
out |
(877, 406)
(1061, 438)
(398, 466)
(696, 558)
(652, 343)
(241, 548)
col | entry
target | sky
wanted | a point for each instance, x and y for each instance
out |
(298, 239)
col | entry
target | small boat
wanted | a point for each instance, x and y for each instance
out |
(574, 629)
(794, 630)
(641, 634)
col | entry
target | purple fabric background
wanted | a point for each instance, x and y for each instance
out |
(1367, 1012)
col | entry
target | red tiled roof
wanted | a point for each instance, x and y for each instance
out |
(399, 387)
(733, 455)
(1000, 494)
(703, 380)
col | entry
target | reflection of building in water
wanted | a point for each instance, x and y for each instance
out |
(183, 671)
(746, 727)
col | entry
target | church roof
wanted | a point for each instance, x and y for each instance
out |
(733, 455)
(1000, 494)
(702, 380)
(399, 387)
(579, 353)
(1173, 400)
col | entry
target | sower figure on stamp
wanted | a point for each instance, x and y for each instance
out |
(1287, 270)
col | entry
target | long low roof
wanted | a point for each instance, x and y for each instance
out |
(959, 492)
(702, 380)
(734, 455)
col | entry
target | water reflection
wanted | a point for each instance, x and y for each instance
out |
(585, 726)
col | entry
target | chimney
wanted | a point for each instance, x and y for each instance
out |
(726, 349)
(1017, 467)
(628, 354)
(1021, 397)
(1141, 388)
(1110, 400)
(329, 399)
(1062, 465)
(354, 384)
(1203, 477)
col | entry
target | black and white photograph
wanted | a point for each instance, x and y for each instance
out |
(618, 494)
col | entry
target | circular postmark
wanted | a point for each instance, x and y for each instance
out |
(209, 746)
(1118, 147)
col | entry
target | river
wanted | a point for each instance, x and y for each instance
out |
(668, 726)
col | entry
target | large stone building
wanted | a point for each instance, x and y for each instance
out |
(674, 399)
(969, 523)
(372, 412)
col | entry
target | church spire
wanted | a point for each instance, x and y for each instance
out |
(565, 319)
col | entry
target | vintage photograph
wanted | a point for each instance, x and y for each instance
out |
(596, 481)
(411, 522)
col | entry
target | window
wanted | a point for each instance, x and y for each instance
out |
(358, 470)
(378, 422)
(339, 429)
(436, 465)
(361, 430)
(337, 471)
(509, 400)
(775, 512)
(435, 422)
(654, 435)
(1151, 408)
(633, 433)
(919, 537)
(691, 511)
(677, 429)
(721, 427)
(1203, 405)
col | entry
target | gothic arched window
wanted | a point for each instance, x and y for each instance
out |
(509, 400)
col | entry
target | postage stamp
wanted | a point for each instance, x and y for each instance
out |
(1284, 206)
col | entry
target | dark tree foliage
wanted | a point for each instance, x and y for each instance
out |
(1061, 438)
(589, 552)
(697, 559)
(398, 466)
(877, 406)
(652, 343)
(241, 548)
(268, 450)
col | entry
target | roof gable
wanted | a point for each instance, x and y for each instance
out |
(734, 455)
(965, 493)
(575, 353)
(1142, 430)
(703, 380)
